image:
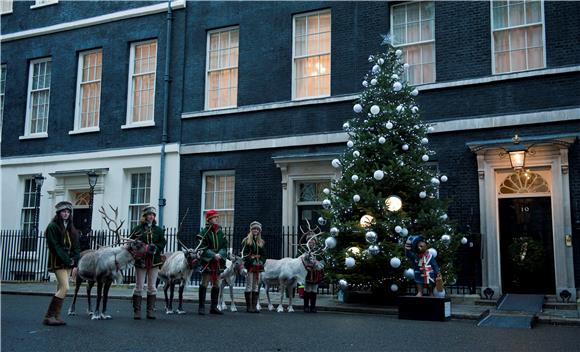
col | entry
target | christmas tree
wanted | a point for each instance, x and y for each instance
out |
(388, 190)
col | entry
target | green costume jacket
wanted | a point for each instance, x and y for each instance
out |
(213, 243)
(150, 235)
(63, 248)
(251, 263)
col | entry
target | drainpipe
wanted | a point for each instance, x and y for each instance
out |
(164, 137)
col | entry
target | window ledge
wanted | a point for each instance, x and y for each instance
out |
(34, 136)
(138, 125)
(6, 13)
(43, 5)
(85, 130)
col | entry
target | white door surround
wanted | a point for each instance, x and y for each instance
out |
(550, 159)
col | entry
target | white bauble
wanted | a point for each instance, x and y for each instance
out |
(321, 221)
(415, 92)
(365, 83)
(463, 240)
(444, 217)
(414, 109)
(330, 242)
(433, 252)
(326, 204)
(349, 262)
(446, 238)
(350, 144)
(370, 58)
(410, 273)
(430, 129)
(395, 76)
(389, 125)
(374, 249)
(371, 237)
(444, 178)
(336, 163)
(422, 194)
(382, 140)
(374, 81)
(354, 178)
(343, 284)
(397, 86)
(381, 61)
(376, 69)
(398, 229)
(416, 127)
(405, 147)
(357, 108)
(435, 181)
(326, 191)
(334, 231)
(345, 126)
(406, 65)
(401, 163)
(375, 109)
(424, 140)
(400, 108)
(394, 288)
(395, 262)
(356, 198)
(378, 175)
(399, 52)
(356, 153)
(404, 232)
(425, 157)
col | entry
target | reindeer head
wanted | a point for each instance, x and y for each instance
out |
(238, 264)
(192, 257)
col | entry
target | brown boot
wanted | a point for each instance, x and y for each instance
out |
(151, 306)
(248, 296)
(51, 318)
(255, 302)
(137, 307)
(57, 309)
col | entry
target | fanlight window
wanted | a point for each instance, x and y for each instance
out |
(82, 198)
(524, 182)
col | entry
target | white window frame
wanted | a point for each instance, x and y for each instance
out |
(79, 102)
(27, 132)
(492, 30)
(131, 89)
(203, 187)
(207, 68)
(140, 206)
(43, 3)
(6, 7)
(419, 43)
(294, 58)
(3, 74)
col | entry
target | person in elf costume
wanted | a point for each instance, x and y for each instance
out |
(63, 254)
(424, 263)
(214, 244)
(153, 236)
(313, 276)
(254, 255)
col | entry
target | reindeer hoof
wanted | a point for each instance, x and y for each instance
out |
(180, 312)
(90, 314)
(290, 309)
(95, 317)
(71, 312)
(168, 311)
(258, 307)
(106, 317)
(270, 307)
(233, 308)
(280, 309)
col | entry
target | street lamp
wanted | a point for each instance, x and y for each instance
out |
(38, 181)
(92, 183)
(517, 153)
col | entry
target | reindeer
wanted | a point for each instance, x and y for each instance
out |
(234, 267)
(287, 272)
(104, 266)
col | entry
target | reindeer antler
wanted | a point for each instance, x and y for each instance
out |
(116, 226)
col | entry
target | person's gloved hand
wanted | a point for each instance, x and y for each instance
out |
(152, 249)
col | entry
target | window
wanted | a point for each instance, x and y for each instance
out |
(27, 220)
(88, 90)
(40, 3)
(38, 97)
(413, 29)
(222, 68)
(311, 55)
(518, 35)
(2, 90)
(309, 203)
(140, 196)
(143, 63)
(218, 194)
(5, 6)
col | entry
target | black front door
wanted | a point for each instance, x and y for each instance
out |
(81, 220)
(527, 259)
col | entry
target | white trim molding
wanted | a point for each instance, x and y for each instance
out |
(93, 21)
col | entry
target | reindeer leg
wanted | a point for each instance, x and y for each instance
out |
(258, 307)
(281, 289)
(221, 304)
(181, 288)
(289, 290)
(97, 314)
(167, 304)
(270, 305)
(90, 285)
(104, 315)
(78, 281)
(233, 307)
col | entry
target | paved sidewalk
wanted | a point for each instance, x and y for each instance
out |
(463, 307)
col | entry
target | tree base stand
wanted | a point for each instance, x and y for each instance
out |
(424, 308)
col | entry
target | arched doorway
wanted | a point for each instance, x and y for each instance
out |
(525, 233)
